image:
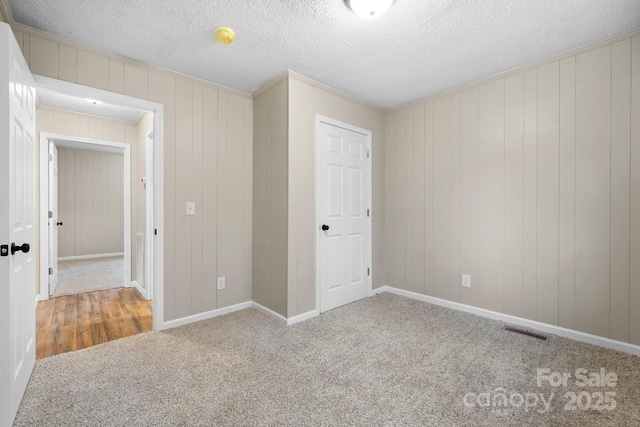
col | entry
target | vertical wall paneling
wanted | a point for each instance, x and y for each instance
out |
(197, 221)
(548, 187)
(417, 200)
(428, 198)
(530, 193)
(116, 76)
(136, 81)
(390, 192)
(442, 197)
(593, 190)
(513, 197)
(620, 196)
(567, 193)
(634, 292)
(410, 205)
(456, 273)
(93, 70)
(469, 192)
(43, 57)
(209, 198)
(184, 194)
(67, 66)
(221, 216)
(491, 195)
(401, 231)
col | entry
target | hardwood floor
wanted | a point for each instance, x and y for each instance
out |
(74, 322)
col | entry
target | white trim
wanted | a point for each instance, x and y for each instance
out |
(70, 258)
(143, 291)
(302, 317)
(332, 122)
(557, 330)
(157, 250)
(203, 316)
(268, 312)
(149, 195)
(45, 138)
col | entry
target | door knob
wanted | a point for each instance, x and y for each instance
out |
(59, 223)
(24, 248)
(325, 227)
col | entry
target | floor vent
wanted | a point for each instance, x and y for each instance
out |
(527, 333)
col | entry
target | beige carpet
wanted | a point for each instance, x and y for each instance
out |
(385, 360)
(89, 275)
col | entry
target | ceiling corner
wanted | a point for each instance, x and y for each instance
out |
(5, 10)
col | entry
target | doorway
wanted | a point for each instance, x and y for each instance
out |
(116, 167)
(343, 201)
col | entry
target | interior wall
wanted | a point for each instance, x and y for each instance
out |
(270, 197)
(529, 183)
(76, 229)
(208, 133)
(306, 100)
(91, 202)
(139, 190)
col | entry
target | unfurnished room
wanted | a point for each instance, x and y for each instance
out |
(320, 212)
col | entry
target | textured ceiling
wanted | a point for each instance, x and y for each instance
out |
(80, 105)
(420, 47)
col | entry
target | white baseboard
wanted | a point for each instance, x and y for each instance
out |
(143, 291)
(204, 316)
(302, 317)
(557, 330)
(69, 258)
(268, 312)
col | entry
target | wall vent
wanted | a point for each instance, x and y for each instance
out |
(525, 332)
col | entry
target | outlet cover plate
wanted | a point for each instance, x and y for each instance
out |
(222, 283)
(466, 280)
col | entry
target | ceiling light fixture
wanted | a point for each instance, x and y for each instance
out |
(225, 35)
(369, 8)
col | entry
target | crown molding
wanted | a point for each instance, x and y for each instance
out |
(57, 39)
(5, 11)
(521, 69)
(322, 86)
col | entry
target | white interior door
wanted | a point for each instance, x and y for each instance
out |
(17, 225)
(343, 215)
(54, 222)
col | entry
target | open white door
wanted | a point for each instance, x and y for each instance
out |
(17, 225)
(53, 217)
(343, 215)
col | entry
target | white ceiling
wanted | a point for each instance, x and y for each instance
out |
(420, 47)
(85, 106)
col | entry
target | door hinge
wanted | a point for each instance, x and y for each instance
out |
(50, 270)
(368, 212)
(368, 154)
(50, 214)
(368, 272)
(155, 231)
(51, 157)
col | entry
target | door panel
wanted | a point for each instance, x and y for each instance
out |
(343, 177)
(17, 225)
(53, 221)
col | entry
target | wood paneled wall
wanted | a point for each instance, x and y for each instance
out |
(530, 183)
(91, 202)
(208, 133)
(270, 197)
(306, 100)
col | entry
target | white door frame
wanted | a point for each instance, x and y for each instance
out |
(156, 177)
(79, 143)
(369, 253)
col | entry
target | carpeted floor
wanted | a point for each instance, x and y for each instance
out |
(88, 275)
(385, 360)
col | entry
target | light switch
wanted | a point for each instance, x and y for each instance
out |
(191, 208)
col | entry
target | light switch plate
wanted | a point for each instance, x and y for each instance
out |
(191, 208)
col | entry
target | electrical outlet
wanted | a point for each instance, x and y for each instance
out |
(466, 281)
(222, 283)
